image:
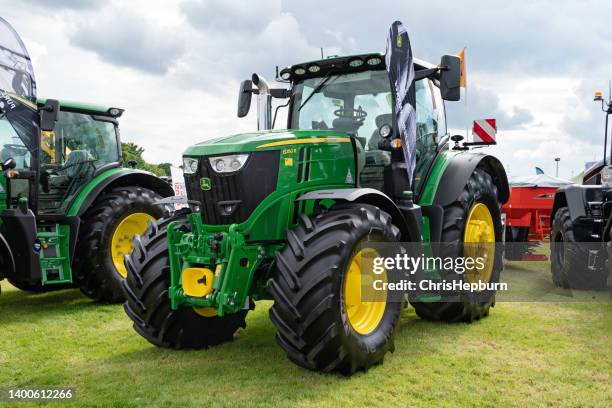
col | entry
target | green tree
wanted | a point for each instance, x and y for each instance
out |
(132, 152)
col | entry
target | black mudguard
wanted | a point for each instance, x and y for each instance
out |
(7, 260)
(409, 221)
(460, 169)
(128, 177)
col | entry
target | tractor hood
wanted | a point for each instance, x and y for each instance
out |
(265, 140)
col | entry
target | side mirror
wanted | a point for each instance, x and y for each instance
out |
(450, 78)
(244, 98)
(49, 114)
(9, 164)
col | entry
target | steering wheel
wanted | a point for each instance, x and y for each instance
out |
(19, 150)
(357, 114)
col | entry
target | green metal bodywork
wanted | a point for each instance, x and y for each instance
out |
(242, 255)
(331, 158)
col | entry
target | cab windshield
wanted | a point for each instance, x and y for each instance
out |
(356, 103)
(360, 104)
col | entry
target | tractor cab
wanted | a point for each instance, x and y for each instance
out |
(357, 100)
(353, 95)
(85, 140)
(52, 166)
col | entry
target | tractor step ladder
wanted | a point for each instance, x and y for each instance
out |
(55, 254)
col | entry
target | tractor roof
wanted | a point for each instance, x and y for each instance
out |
(349, 63)
(84, 107)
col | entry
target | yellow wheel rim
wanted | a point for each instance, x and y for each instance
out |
(364, 317)
(121, 244)
(480, 229)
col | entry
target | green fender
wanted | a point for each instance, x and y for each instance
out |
(451, 172)
(112, 178)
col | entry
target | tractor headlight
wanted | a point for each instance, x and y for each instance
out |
(356, 63)
(228, 164)
(115, 112)
(374, 61)
(190, 165)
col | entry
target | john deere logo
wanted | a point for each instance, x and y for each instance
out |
(205, 183)
(399, 41)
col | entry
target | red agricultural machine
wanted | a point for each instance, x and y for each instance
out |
(528, 214)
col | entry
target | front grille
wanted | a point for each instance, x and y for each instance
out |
(243, 190)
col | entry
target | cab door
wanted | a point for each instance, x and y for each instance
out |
(12, 146)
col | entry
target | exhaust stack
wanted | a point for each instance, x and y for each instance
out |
(264, 103)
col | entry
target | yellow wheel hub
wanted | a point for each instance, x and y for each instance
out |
(121, 244)
(479, 238)
(363, 316)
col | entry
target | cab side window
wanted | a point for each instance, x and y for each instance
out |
(11, 146)
(431, 125)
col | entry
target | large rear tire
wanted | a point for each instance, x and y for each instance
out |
(322, 321)
(480, 194)
(106, 236)
(148, 304)
(569, 259)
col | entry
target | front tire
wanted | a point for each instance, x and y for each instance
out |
(148, 304)
(480, 194)
(569, 261)
(106, 235)
(322, 321)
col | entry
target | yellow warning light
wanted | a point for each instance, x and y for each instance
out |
(396, 144)
(598, 96)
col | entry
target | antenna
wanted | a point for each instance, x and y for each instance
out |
(609, 90)
(322, 57)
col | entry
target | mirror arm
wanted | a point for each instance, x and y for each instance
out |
(426, 73)
(280, 93)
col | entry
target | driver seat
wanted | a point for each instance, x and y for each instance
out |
(76, 163)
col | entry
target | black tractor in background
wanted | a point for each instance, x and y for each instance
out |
(581, 236)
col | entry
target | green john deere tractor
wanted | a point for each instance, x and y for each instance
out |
(68, 209)
(291, 215)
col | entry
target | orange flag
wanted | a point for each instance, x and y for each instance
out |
(461, 54)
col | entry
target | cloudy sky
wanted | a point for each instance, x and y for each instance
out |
(175, 66)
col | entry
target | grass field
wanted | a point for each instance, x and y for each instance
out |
(536, 354)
